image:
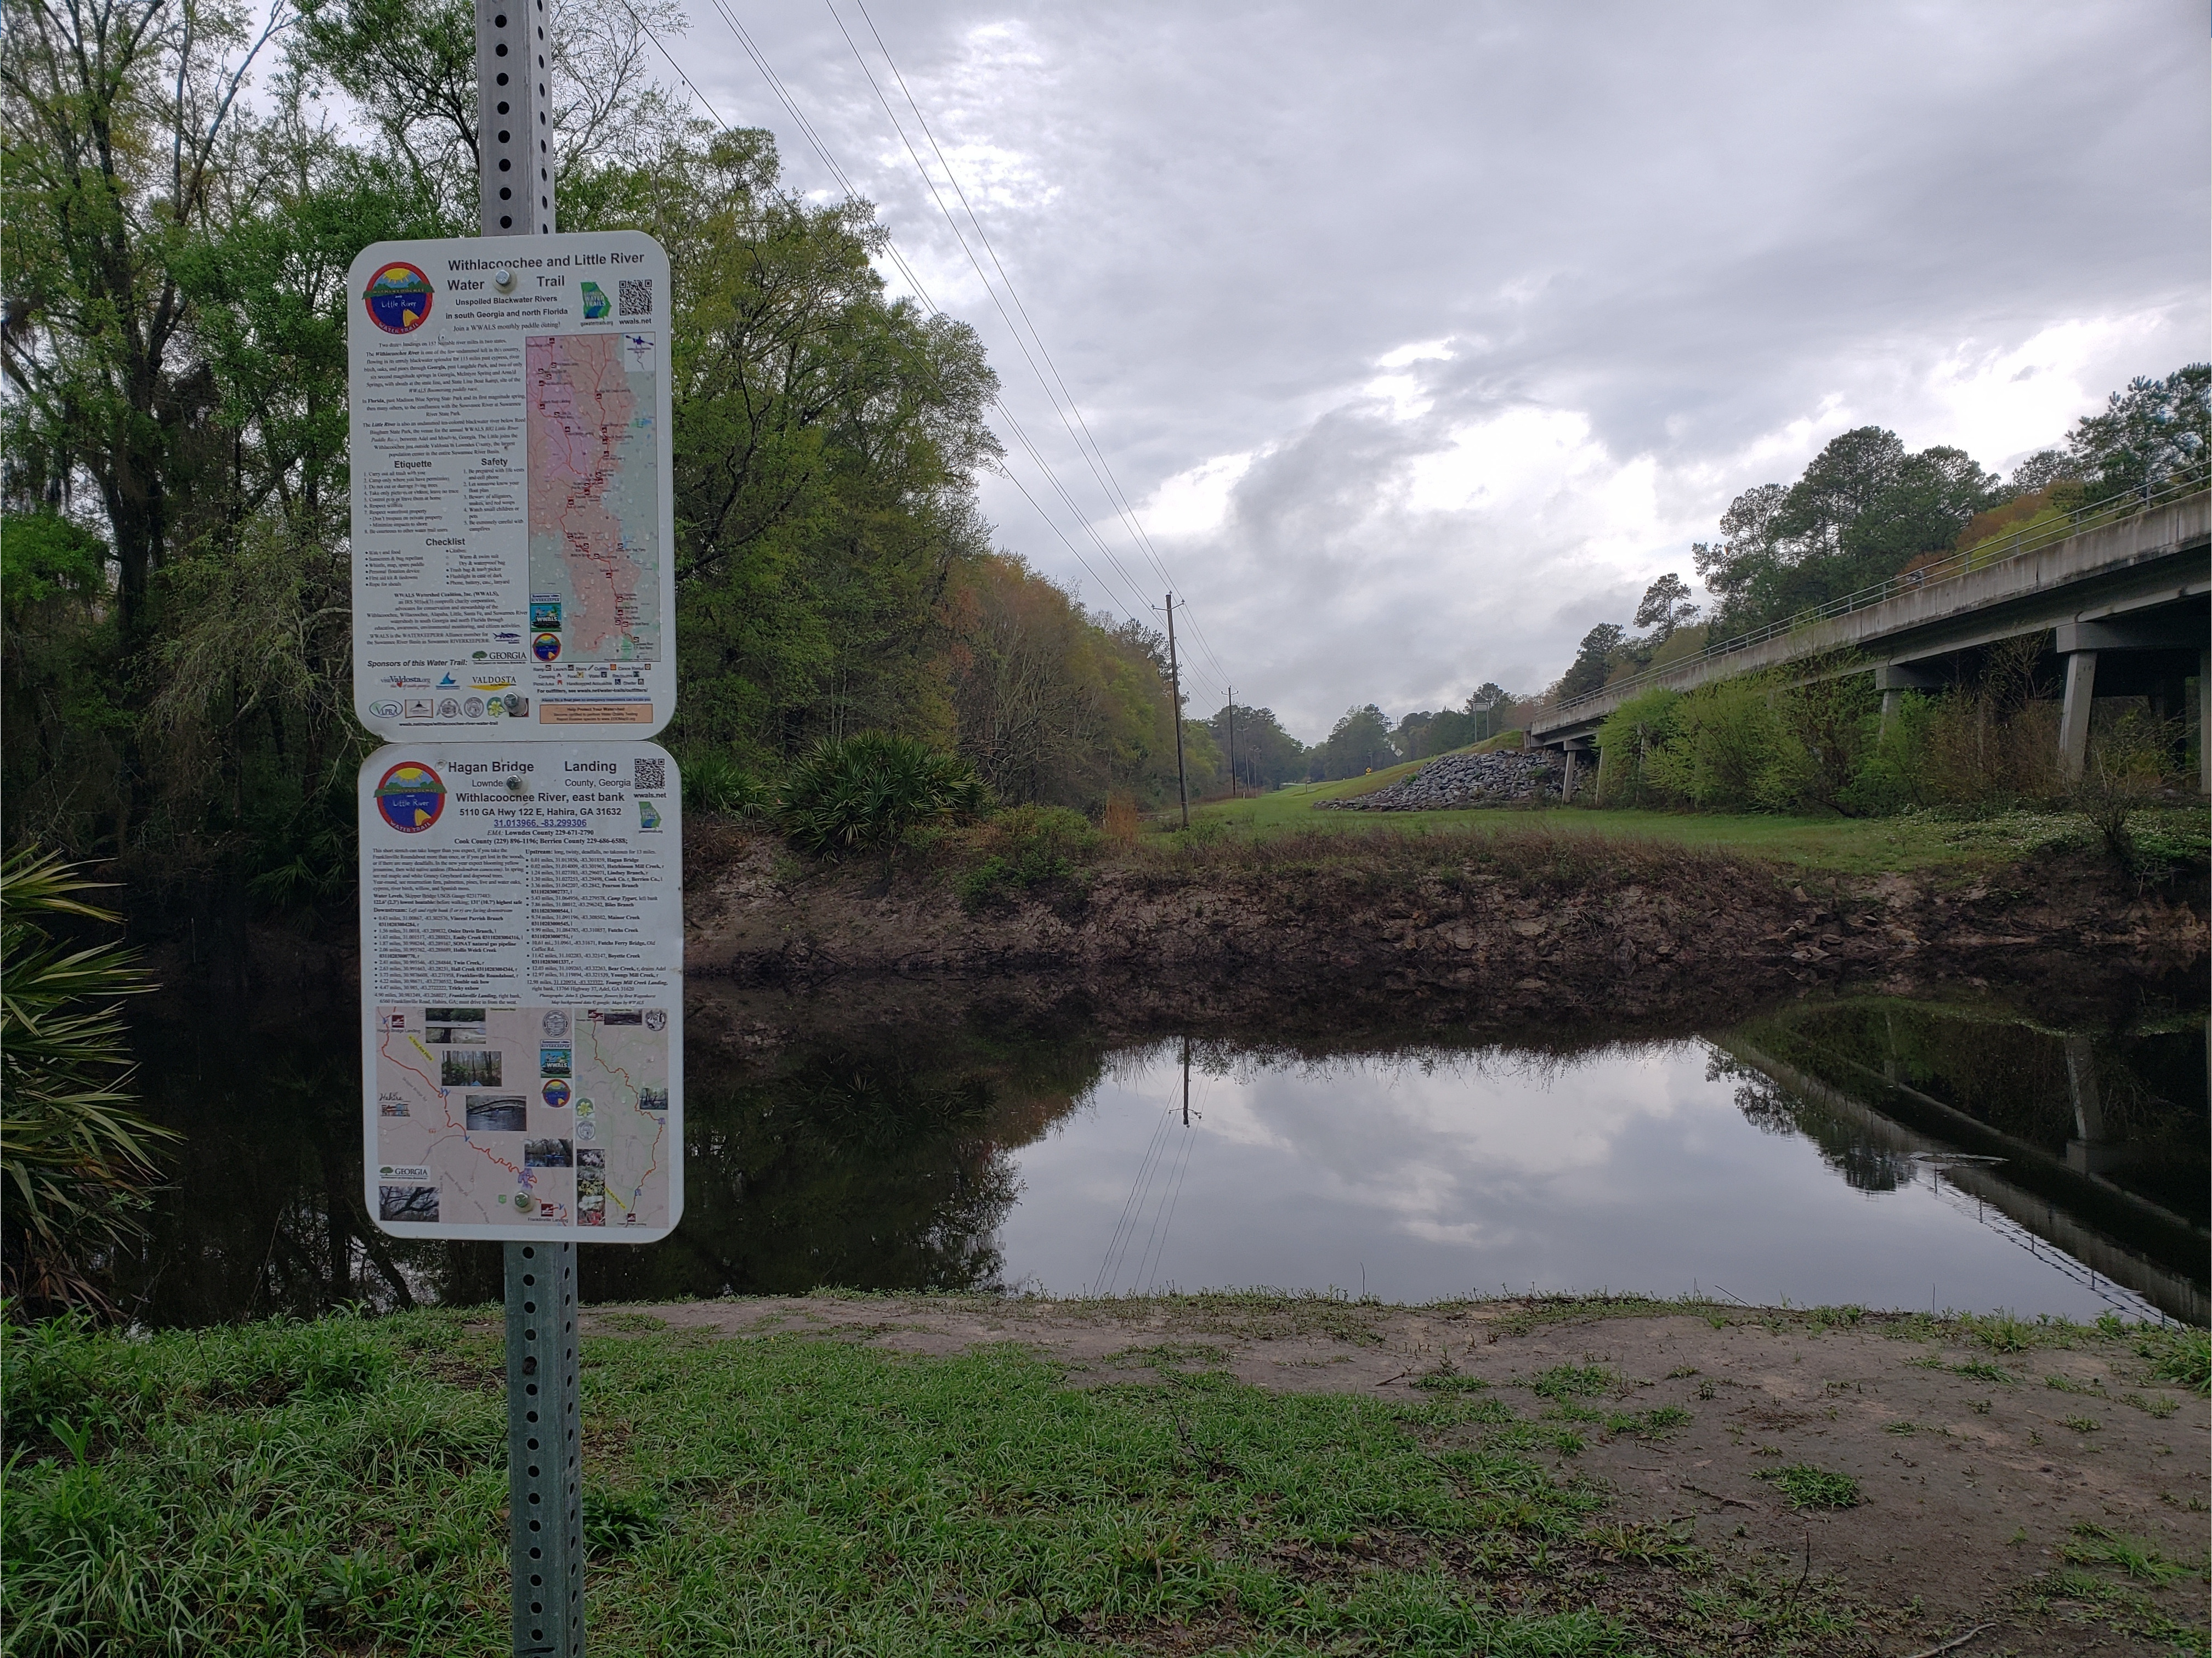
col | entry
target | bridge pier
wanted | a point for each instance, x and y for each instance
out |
(1893, 679)
(2074, 715)
(2167, 632)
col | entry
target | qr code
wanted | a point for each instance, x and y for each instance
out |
(651, 775)
(633, 295)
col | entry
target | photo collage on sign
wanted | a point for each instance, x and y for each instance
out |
(550, 1116)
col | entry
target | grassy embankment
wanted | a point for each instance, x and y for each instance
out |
(340, 1487)
(1827, 846)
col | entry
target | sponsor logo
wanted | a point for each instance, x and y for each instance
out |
(546, 646)
(398, 298)
(473, 709)
(411, 797)
(417, 708)
(387, 709)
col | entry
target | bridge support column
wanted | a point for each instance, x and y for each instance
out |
(1893, 679)
(2074, 715)
(1567, 777)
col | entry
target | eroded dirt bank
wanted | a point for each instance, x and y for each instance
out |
(1540, 926)
(1995, 1464)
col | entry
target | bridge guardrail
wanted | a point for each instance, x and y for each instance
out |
(1985, 555)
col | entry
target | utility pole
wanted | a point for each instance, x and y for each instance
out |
(1185, 1082)
(1232, 742)
(1175, 691)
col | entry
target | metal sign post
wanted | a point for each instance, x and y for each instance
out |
(521, 885)
(545, 1550)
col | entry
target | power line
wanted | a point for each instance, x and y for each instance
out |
(897, 258)
(1131, 603)
(1063, 402)
(1095, 455)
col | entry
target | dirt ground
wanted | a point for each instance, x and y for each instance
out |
(1973, 1485)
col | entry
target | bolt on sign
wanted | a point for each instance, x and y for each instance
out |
(514, 521)
(522, 990)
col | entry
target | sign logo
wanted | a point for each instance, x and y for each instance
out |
(398, 298)
(595, 302)
(410, 796)
(546, 646)
(556, 1093)
(386, 709)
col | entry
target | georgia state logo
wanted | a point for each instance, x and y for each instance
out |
(398, 298)
(410, 796)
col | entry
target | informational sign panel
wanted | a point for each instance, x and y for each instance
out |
(513, 524)
(522, 1006)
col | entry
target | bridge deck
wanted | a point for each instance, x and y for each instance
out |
(2154, 560)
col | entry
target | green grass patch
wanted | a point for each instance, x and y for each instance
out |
(1810, 1487)
(341, 1487)
(1564, 1381)
(1862, 845)
(2179, 1355)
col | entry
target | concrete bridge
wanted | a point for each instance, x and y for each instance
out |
(2127, 602)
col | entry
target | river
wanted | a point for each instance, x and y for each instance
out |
(1886, 1154)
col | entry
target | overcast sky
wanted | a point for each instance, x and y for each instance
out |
(1423, 336)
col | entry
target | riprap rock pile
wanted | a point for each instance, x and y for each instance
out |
(1461, 779)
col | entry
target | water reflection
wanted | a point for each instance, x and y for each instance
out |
(1876, 1152)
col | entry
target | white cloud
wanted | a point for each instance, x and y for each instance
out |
(1415, 386)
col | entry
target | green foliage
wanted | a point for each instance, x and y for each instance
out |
(1359, 743)
(870, 792)
(1026, 847)
(44, 555)
(2179, 1355)
(714, 782)
(75, 1158)
(1810, 1487)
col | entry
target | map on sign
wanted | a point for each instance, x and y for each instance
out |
(543, 1115)
(513, 514)
(594, 495)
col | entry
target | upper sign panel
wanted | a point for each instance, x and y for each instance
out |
(513, 522)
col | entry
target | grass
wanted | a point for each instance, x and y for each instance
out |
(1831, 845)
(1810, 1487)
(340, 1487)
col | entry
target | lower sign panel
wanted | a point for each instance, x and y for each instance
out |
(522, 991)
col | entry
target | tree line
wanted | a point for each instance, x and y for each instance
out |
(176, 686)
(1866, 509)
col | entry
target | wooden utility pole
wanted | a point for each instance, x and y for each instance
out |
(1232, 742)
(1175, 691)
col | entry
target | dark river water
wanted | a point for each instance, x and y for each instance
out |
(1884, 1154)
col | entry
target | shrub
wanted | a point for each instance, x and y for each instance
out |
(1730, 750)
(1025, 847)
(714, 782)
(1639, 728)
(2126, 772)
(870, 793)
(76, 1159)
(1118, 821)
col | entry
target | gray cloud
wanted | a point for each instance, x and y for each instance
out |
(1667, 251)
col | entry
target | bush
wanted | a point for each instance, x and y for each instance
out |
(870, 792)
(1026, 847)
(716, 783)
(1731, 751)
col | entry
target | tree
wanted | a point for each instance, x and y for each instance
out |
(1593, 661)
(1268, 757)
(2156, 433)
(1665, 605)
(1359, 743)
(1931, 498)
(2040, 471)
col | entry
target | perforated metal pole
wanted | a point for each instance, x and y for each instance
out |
(514, 118)
(544, 1484)
(544, 1451)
